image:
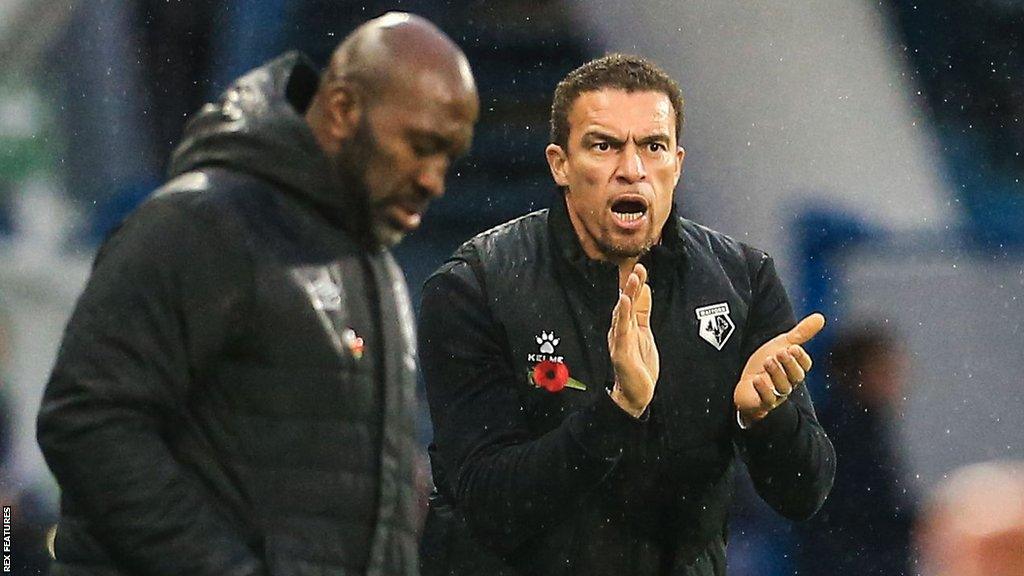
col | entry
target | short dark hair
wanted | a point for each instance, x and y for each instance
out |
(622, 71)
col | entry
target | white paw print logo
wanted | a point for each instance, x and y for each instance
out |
(547, 342)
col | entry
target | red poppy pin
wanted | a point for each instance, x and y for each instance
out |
(554, 376)
(354, 343)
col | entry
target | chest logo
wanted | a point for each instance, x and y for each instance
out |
(327, 295)
(549, 370)
(715, 324)
(547, 343)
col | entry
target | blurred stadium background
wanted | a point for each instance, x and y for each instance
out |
(874, 148)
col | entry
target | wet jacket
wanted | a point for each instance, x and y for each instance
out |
(235, 391)
(535, 482)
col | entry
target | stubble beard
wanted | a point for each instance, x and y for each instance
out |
(352, 167)
(623, 250)
(386, 235)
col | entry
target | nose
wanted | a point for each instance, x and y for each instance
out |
(431, 177)
(631, 165)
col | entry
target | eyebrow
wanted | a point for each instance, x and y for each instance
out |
(661, 137)
(594, 135)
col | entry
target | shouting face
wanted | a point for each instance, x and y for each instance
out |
(619, 171)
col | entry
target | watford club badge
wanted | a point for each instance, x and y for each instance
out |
(715, 324)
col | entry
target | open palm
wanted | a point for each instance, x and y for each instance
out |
(774, 369)
(631, 345)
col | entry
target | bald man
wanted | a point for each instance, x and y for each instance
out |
(235, 391)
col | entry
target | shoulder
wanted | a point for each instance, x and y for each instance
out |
(719, 249)
(187, 216)
(523, 235)
(214, 201)
(207, 193)
(519, 240)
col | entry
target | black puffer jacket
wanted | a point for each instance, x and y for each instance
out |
(210, 413)
(540, 483)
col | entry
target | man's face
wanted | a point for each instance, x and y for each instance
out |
(403, 146)
(621, 168)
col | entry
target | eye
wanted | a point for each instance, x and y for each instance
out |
(428, 144)
(423, 148)
(602, 146)
(657, 147)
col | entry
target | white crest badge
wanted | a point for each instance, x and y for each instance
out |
(715, 324)
(327, 295)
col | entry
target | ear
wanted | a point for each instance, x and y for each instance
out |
(557, 160)
(344, 110)
(680, 157)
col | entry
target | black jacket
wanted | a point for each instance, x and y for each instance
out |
(209, 413)
(533, 482)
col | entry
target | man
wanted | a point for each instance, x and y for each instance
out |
(587, 415)
(235, 391)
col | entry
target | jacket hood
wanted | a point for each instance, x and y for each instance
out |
(258, 127)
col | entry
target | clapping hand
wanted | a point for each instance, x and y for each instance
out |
(774, 370)
(631, 346)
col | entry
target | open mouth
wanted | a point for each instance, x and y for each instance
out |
(629, 209)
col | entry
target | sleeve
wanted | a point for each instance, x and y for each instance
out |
(506, 482)
(789, 457)
(157, 306)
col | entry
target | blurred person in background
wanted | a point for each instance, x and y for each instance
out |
(864, 528)
(235, 391)
(587, 415)
(973, 524)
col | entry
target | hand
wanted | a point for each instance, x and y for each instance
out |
(774, 370)
(631, 345)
